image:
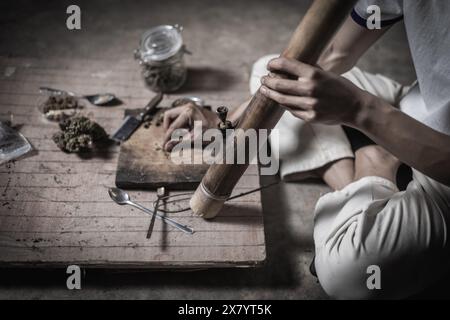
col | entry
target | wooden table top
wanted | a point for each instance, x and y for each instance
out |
(54, 207)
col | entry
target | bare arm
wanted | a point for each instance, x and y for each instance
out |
(343, 52)
(322, 96)
(411, 141)
(347, 46)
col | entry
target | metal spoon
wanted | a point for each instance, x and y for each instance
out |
(122, 198)
(95, 99)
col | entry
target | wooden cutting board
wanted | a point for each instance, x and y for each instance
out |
(143, 164)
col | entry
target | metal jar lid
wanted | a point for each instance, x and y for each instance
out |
(160, 43)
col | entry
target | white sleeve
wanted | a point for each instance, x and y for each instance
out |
(391, 11)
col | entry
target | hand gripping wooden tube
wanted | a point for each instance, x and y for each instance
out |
(310, 38)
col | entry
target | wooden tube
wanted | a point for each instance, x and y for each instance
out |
(310, 38)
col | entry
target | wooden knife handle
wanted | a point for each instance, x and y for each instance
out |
(151, 106)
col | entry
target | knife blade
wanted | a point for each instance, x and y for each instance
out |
(131, 123)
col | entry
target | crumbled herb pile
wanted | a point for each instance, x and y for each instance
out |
(56, 107)
(156, 119)
(79, 134)
(60, 102)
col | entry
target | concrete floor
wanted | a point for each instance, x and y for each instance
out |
(247, 29)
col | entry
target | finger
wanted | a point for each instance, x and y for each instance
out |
(300, 87)
(291, 101)
(170, 115)
(307, 116)
(182, 121)
(171, 143)
(291, 66)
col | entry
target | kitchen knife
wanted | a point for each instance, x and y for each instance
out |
(131, 123)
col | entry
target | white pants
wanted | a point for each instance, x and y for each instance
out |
(369, 234)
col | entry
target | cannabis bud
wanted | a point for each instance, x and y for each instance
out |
(78, 134)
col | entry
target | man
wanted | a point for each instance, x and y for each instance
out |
(367, 221)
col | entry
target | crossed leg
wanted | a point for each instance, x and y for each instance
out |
(371, 160)
(370, 223)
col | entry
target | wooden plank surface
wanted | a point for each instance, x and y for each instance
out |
(55, 209)
(143, 164)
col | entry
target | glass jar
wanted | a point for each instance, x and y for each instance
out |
(161, 55)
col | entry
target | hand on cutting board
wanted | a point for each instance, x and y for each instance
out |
(183, 117)
(317, 95)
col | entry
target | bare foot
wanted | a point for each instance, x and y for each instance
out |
(374, 160)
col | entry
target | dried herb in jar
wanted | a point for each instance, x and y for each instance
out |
(161, 55)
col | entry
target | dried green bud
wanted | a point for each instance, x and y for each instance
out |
(78, 134)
